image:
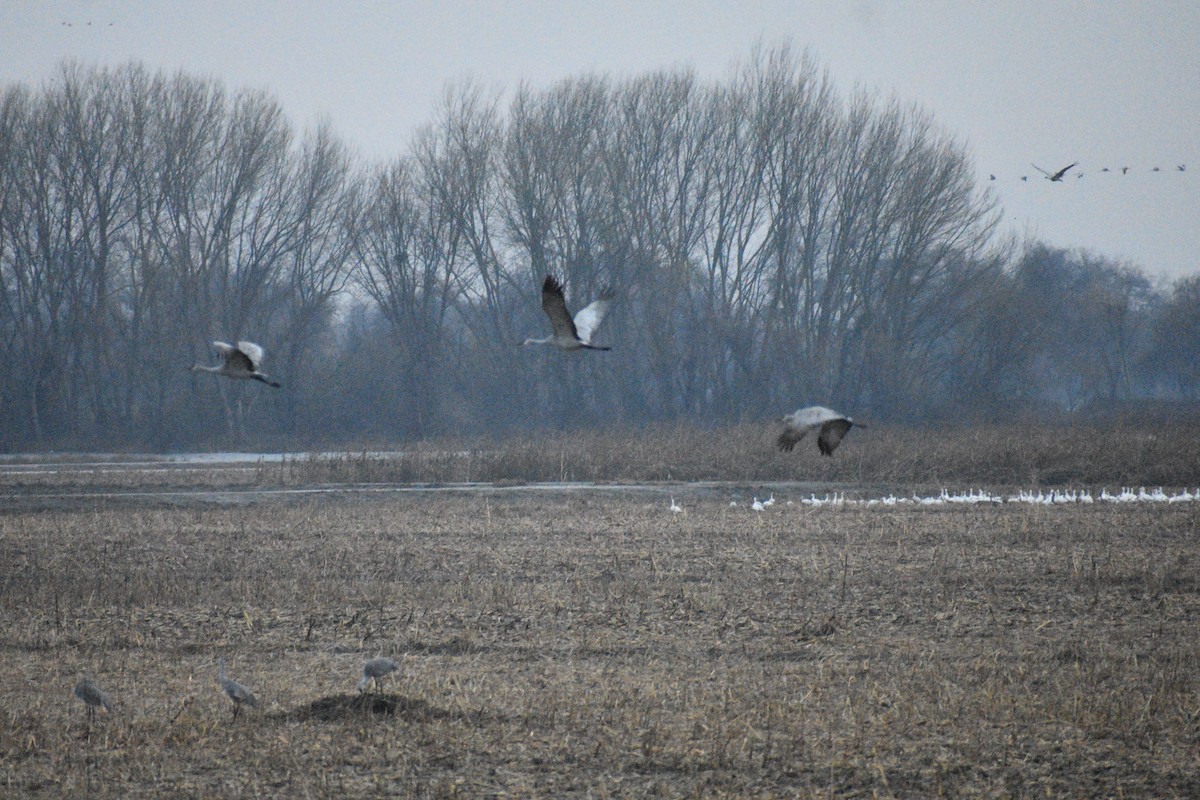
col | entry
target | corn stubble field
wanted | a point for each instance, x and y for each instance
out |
(591, 642)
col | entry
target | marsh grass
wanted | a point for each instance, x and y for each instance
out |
(596, 644)
(1024, 455)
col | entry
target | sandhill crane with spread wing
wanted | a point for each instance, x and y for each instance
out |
(571, 333)
(242, 362)
(1055, 177)
(833, 427)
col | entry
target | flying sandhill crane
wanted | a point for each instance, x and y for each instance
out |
(833, 427)
(87, 691)
(374, 670)
(238, 693)
(241, 362)
(1057, 176)
(571, 334)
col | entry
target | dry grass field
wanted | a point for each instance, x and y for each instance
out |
(592, 643)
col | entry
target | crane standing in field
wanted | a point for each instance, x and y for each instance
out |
(375, 670)
(242, 362)
(87, 691)
(833, 427)
(571, 333)
(238, 693)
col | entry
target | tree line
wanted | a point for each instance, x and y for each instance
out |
(770, 243)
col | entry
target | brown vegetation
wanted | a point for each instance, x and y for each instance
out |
(1026, 455)
(592, 642)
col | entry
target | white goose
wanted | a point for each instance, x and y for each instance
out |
(241, 362)
(571, 333)
(833, 427)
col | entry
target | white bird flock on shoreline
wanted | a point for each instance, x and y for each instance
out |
(1054, 497)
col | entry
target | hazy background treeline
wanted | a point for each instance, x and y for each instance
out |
(772, 243)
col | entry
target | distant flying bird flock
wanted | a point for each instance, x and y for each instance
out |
(1059, 175)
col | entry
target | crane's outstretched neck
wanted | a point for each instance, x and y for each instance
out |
(203, 368)
(531, 340)
(266, 380)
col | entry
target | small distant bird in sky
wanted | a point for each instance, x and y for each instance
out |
(1024, 177)
(1106, 169)
(1124, 170)
(991, 177)
(1181, 167)
(1056, 176)
(1156, 169)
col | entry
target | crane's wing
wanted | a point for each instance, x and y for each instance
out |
(589, 318)
(235, 359)
(1039, 169)
(831, 434)
(555, 307)
(790, 436)
(1058, 175)
(253, 352)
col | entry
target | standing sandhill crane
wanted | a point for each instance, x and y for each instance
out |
(241, 362)
(375, 670)
(238, 693)
(833, 427)
(1056, 176)
(571, 334)
(87, 691)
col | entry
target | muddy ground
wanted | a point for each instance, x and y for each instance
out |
(593, 643)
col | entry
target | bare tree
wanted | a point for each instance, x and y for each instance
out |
(1175, 354)
(410, 256)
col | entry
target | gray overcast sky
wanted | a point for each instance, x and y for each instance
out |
(1107, 84)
